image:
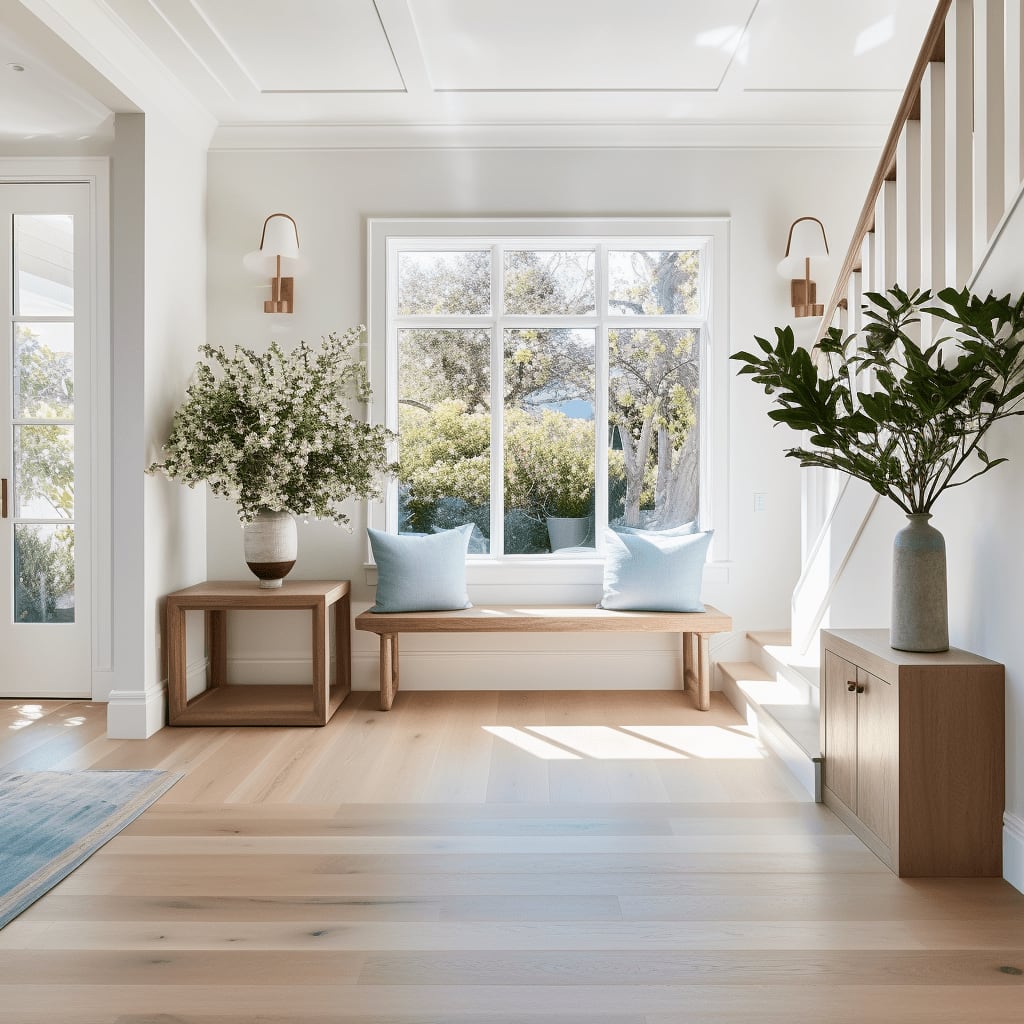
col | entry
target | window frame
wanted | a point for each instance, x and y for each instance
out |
(499, 234)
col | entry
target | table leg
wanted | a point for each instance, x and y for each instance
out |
(343, 646)
(216, 647)
(388, 669)
(176, 681)
(321, 661)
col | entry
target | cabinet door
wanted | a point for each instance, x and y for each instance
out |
(840, 711)
(877, 756)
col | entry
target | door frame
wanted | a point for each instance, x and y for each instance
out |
(94, 172)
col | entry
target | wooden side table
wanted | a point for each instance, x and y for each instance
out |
(245, 703)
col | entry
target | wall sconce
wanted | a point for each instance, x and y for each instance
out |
(279, 247)
(806, 257)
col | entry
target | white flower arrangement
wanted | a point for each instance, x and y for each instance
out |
(273, 431)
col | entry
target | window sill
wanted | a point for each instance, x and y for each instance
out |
(546, 572)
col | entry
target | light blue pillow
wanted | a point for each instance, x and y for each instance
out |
(683, 530)
(649, 572)
(421, 572)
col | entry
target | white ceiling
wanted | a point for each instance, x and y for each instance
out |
(733, 72)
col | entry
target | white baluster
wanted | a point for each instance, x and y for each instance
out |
(959, 229)
(885, 238)
(908, 207)
(854, 298)
(867, 263)
(933, 180)
(1014, 93)
(989, 161)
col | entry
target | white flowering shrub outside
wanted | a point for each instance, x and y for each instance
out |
(273, 430)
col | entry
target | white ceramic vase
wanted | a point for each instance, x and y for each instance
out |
(270, 543)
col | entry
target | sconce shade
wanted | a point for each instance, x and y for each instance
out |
(278, 255)
(806, 258)
(806, 240)
(280, 236)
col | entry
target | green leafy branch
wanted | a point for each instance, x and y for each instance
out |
(915, 430)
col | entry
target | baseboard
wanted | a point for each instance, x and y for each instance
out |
(492, 669)
(1013, 850)
(136, 714)
(102, 684)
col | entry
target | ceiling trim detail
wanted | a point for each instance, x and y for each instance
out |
(553, 136)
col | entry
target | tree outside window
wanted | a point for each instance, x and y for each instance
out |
(599, 348)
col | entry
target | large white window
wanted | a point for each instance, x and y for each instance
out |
(547, 379)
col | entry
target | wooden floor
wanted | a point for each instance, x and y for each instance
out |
(513, 858)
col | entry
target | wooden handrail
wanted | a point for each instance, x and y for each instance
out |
(932, 49)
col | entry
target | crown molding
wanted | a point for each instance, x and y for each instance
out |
(242, 137)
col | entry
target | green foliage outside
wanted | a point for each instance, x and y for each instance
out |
(549, 464)
(445, 458)
(445, 453)
(919, 430)
(44, 573)
(654, 383)
(44, 557)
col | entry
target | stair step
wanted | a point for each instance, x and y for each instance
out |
(786, 723)
(776, 655)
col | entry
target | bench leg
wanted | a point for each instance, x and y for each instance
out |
(704, 673)
(687, 650)
(697, 668)
(388, 669)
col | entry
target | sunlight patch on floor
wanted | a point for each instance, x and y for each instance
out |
(709, 742)
(531, 744)
(632, 742)
(29, 713)
(606, 743)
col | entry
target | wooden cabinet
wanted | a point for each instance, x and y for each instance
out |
(913, 749)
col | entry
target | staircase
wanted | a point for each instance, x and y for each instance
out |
(947, 183)
(778, 696)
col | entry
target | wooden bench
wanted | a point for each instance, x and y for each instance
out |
(694, 628)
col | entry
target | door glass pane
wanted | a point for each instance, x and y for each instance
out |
(444, 432)
(653, 283)
(537, 281)
(444, 283)
(549, 440)
(44, 264)
(653, 398)
(44, 573)
(44, 472)
(44, 371)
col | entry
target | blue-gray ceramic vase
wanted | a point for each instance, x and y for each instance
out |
(919, 605)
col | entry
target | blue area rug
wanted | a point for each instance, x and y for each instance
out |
(52, 821)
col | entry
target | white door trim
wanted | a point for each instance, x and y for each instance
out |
(94, 171)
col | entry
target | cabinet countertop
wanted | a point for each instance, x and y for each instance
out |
(876, 642)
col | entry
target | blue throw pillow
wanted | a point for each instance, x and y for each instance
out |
(421, 572)
(683, 530)
(649, 572)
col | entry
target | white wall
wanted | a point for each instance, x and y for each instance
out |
(331, 193)
(175, 323)
(159, 315)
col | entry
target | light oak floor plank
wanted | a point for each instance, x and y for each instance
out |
(489, 858)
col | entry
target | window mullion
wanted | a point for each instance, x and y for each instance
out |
(601, 369)
(497, 403)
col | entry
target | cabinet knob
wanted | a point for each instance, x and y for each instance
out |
(852, 687)
(860, 689)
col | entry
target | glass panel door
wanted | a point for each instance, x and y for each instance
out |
(44, 459)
